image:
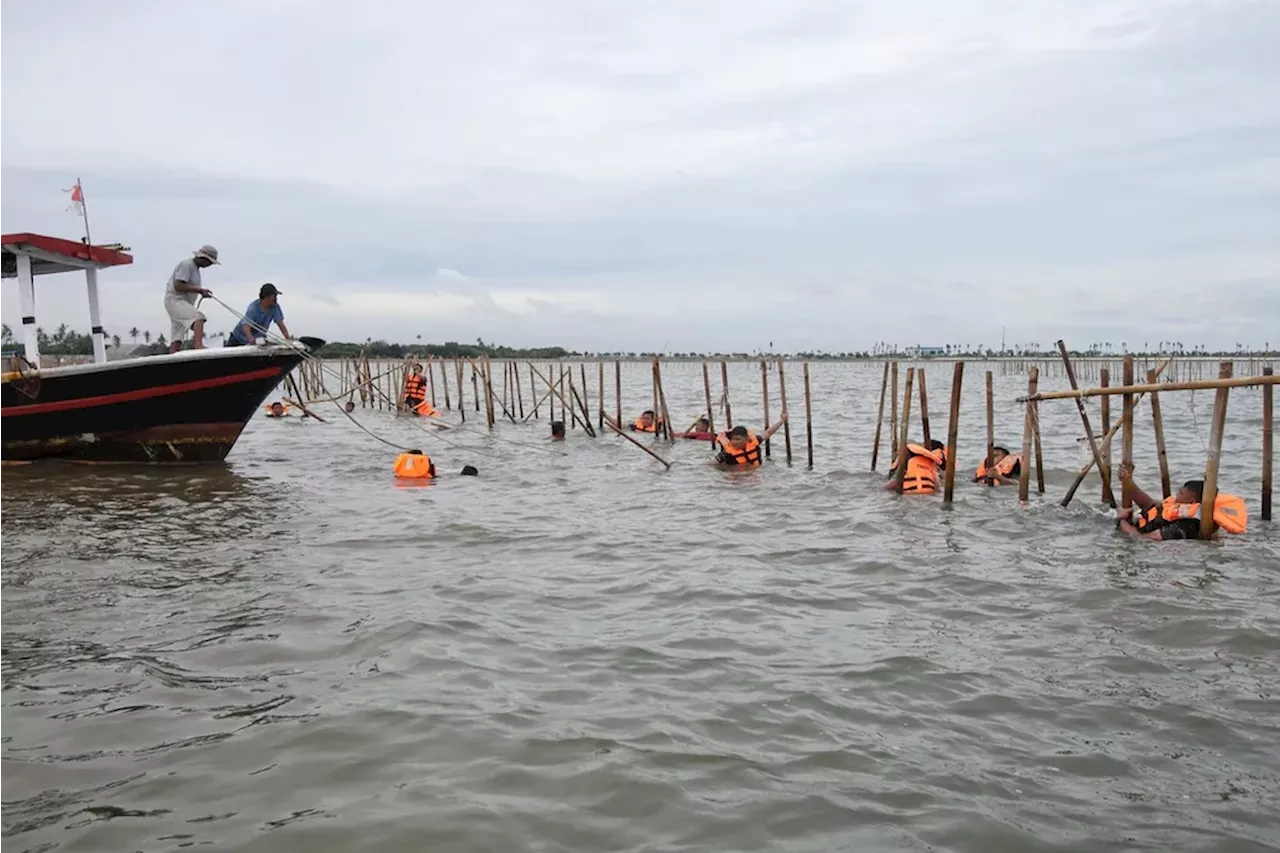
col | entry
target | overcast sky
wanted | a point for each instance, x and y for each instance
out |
(687, 175)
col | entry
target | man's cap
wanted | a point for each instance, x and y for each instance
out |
(209, 253)
(266, 290)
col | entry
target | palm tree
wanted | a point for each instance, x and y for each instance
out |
(115, 341)
(146, 336)
(160, 340)
(133, 334)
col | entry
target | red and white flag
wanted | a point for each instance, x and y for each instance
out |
(77, 200)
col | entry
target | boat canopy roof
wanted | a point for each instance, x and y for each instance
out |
(54, 254)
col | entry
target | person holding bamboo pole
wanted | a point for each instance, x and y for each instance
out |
(740, 447)
(646, 422)
(1177, 516)
(924, 465)
(1005, 468)
(699, 430)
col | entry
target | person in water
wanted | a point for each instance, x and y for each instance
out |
(1177, 516)
(741, 447)
(557, 430)
(924, 466)
(646, 422)
(351, 406)
(414, 465)
(700, 430)
(415, 390)
(277, 410)
(1006, 467)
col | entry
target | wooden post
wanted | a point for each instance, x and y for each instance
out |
(617, 428)
(462, 409)
(1165, 485)
(782, 391)
(586, 402)
(808, 413)
(515, 369)
(706, 386)
(444, 382)
(991, 426)
(953, 431)
(1024, 478)
(475, 386)
(924, 408)
(728, 412)
(506, 383)
(764, 391)
(1035, 437)
(533, 394)
(1266, 446)
(884, 389)
(893, 410)
(657, 408)
(431, 379)
(1088, 427)
(1126, 440)
(1215, 454)
(900, 472)
(617, 389)
(600, 365)
(1104, 380)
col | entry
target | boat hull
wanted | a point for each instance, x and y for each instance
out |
(183, 408)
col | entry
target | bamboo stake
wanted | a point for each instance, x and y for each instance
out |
(617, 388)
(1088, 427)
(1024, 477)
(991, 426)
(808, 413)
(586, 404)
(462, 409)
(924, 408)
(764, 391)
(706, 386)
(1165, 485)
(560, 383)
(533, 394)
(1266, 446)
(724, 380)
(611, 425)
(782, 391)
(298, 402)
(953, 431)
(884, 389)
(475, 386)
(1104, 379)
(657, 408)
(600, 365)
(1126, 419)
(900, 472)
(582, 406)
(571, 415)
(444, 382)
(431, 379)
(662, 401)
(1215, 453)
(1035, 437)
(893, 410)
(515, 372)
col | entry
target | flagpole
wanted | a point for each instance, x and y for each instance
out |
(84, 208)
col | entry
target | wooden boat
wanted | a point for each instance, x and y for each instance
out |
(184, 407)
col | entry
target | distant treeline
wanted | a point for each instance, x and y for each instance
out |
(450, 349)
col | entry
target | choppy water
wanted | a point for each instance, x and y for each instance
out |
(577, 651)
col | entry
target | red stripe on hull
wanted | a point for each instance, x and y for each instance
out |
(138, 394)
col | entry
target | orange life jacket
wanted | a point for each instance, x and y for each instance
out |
(415, 387)
(922, 470)
(730, 455)
(414, 466)
(1229, 512)
(653, 427)
(1004, 467)
(424, 409)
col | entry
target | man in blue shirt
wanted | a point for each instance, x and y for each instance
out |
(261, 313)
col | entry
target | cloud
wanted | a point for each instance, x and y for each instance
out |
(576, 173)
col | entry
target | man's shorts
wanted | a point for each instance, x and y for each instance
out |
(182, 314)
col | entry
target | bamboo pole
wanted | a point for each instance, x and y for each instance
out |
(662, 401)
(586, 403)
(1035, 437)
(1024, 477)
(884, 389)
(1088, 427)
(1266, 446)
(1192, 385)
(1104, 379)
(657, 408)
(1084, 471)
(900, 472)
(1158, 422)
(431, 379)
(475, 388)
(893, 410)
(1126, 419)
(581, 406)
(991, 425)
(1215, 453)
(444, 382)
(560, 383)
(600, 365)
(706, 387)
(924, 408)
(617, 388)
(515, 370)
(572, 414)
(764, 392)
(808, 413)
(782, 391)
(616, 428)
(953, 431)
(724, 380)
(533, 394)
(462, 409)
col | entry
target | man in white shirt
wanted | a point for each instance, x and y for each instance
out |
(180, 298)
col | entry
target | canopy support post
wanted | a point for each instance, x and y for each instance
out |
(95, 317)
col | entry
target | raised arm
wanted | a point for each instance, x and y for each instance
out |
(768, 434)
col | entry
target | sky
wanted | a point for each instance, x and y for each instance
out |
(663, 176)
